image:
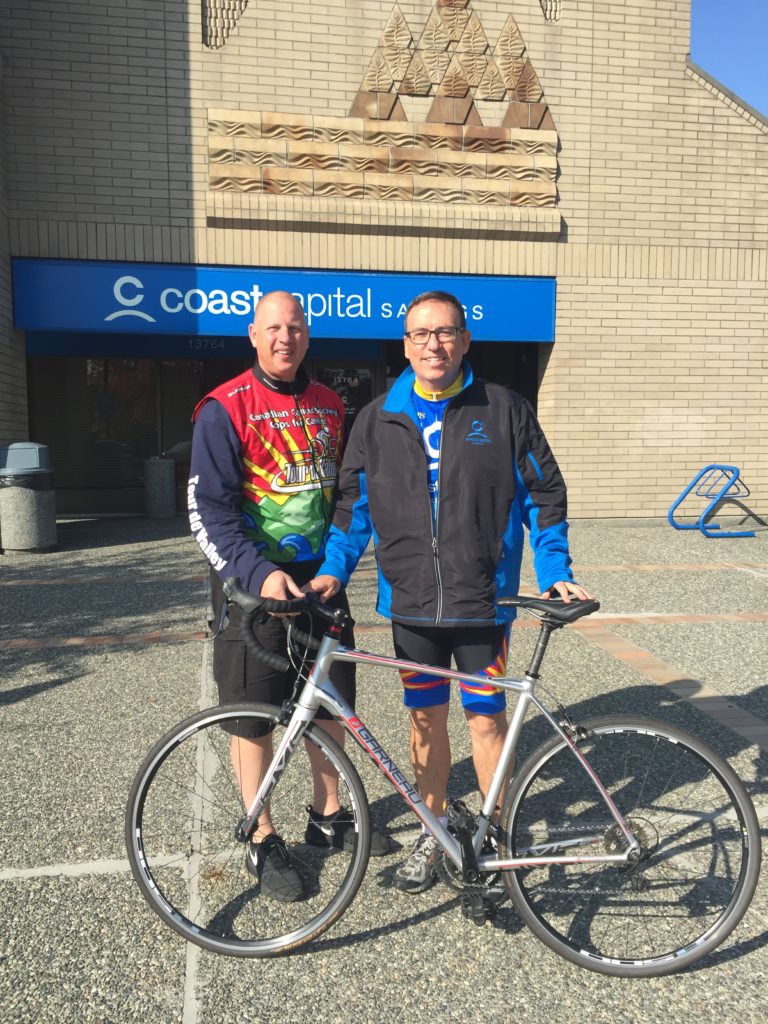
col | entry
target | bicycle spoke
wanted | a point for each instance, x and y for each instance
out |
(182, 821)
(689, 815)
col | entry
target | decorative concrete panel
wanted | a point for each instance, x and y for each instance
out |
(376, 153)
(452, 58)
(551, 9)
(281, 154)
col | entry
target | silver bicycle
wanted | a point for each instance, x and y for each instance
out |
(626, 845)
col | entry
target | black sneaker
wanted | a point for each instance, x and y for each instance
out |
(271, 865)
(337, 831)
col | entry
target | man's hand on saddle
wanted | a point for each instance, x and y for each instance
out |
(323, 587)
(566, 589)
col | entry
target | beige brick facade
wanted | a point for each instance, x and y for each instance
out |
(657, 233)
(13, 385)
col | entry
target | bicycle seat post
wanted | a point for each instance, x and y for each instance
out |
(546, 631)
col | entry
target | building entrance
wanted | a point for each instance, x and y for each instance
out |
(102, 417)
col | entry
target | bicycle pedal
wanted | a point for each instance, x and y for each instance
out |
(477, 908)
(460, 818)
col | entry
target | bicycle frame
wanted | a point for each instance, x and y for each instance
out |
(319, 692)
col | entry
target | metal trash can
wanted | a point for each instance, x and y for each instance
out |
(27, 498)
(159, 488)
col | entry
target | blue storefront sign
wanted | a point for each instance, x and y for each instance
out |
(192, 302)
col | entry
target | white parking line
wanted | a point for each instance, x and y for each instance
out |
(752, 572)
(90, 867)
(190, 1007)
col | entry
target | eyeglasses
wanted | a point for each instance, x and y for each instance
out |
(445, 335)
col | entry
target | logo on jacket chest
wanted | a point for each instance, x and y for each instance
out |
(477, 434)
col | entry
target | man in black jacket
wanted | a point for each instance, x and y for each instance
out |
(444, 470)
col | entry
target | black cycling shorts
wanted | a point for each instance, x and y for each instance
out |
(480, 650)
(242, 677)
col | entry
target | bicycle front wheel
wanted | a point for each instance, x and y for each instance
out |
(181, 823)
(699, 838)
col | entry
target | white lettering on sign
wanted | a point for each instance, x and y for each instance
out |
(129, 293)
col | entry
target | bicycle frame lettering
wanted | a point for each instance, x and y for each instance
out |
(374, 749)
(282, 756)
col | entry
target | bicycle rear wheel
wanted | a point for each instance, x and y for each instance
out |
(181, 821)
(698, 832)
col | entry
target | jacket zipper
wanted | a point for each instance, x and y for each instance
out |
(432, 522)
(435, 524)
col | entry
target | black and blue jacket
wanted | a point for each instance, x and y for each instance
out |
(496, 475)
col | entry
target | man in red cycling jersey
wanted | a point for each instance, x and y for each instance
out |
(265, 451)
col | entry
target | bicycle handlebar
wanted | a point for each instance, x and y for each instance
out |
(554, 611)
(257, 608)
(250, 604)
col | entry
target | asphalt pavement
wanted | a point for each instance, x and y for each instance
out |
(103, 647)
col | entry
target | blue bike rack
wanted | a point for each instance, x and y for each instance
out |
(717, 483)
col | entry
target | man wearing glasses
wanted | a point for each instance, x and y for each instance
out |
(444, 470)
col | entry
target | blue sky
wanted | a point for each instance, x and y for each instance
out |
(729, 40)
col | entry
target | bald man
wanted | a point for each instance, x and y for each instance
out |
(266, 449)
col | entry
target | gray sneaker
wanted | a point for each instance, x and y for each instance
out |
(419, 872)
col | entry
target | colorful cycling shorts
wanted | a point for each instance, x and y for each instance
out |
(481, 650)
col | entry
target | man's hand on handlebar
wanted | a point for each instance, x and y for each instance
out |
(279, 586)
(323, 587)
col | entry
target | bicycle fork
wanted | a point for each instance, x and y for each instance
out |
(293, 735)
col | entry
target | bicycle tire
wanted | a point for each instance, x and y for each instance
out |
(698, 830)
(183, 811)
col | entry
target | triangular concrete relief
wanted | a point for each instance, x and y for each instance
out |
(220, 18)
(453, 62)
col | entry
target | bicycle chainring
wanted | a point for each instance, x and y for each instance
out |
(489, 884)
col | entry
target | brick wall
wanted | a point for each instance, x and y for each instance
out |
(661, 259)
(13, 381)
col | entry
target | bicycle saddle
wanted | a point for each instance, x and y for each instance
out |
(554, 609)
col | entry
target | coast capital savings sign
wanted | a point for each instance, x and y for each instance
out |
(68, 295)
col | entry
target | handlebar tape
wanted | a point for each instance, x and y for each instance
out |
(303, 638)
(255, 609)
